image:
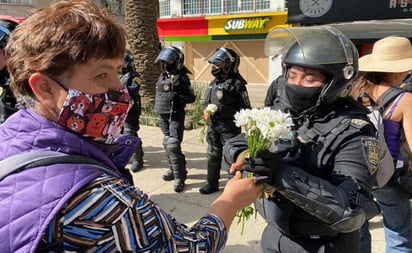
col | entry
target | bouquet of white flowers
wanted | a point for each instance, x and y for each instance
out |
(262, 128)
(211, 108)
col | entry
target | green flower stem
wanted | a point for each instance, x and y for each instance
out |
(244, 215)
(256, 143)
(202, 135)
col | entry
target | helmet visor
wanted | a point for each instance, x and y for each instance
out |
(319, 45)
(4, 37)
(167, 54)
(221, 55)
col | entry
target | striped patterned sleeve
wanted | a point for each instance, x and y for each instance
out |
(111, 216)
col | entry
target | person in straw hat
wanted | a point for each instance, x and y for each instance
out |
(381, 72)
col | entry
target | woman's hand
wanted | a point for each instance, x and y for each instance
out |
(238, 193)
(206, 115)
(238, 164)
(243, 190)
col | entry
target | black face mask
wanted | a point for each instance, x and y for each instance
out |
(217, 72)
(125, 70)
(302, 98)
(169, 68)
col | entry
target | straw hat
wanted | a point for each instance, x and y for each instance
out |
(391, 54)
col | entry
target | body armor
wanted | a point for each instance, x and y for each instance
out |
(229, 98)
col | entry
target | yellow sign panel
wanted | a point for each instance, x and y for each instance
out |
(245, 23)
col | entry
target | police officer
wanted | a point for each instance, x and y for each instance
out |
(228, 92)
(131, 79)
(7, 99)
(173, 92)
(271, 91)
(324, 175)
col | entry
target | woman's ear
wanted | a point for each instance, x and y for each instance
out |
(48, 94)
(41, 87)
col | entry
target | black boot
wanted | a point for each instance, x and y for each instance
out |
(177, 162)
(137, 160)
(213, 174)
(136, 166)
(179, 185)
(179, 172)
(208, 189)
(169, 175)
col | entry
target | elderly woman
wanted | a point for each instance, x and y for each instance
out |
(64, 62)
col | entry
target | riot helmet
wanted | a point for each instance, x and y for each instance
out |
(322, 47)
(173, 54)
(9, 24)
(228, 60)
(128, 62)
(6, 27)
(4, 36)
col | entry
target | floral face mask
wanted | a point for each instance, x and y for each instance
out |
(99, 117)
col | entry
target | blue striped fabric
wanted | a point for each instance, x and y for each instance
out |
(111, 216)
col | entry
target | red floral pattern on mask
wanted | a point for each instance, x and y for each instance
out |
(98, 117)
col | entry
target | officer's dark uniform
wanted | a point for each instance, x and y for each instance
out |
(228, 92)
(131, 79)
(173, 92)
(271, 92)
(323, 177)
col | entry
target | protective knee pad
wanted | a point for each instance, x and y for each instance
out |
(214, 156)
(173, 146)
(164, 142)
(177, 159)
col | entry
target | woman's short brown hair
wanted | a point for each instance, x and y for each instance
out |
(55, 39)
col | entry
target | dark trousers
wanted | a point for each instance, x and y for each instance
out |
(173, 126)
(217, 135)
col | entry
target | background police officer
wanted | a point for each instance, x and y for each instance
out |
(131, 79)
(7, 99)
(323, 177)
(173, 92)
(228, 92)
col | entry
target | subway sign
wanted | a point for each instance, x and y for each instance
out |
(246, 23)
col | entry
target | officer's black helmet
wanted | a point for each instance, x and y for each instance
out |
(4, 37)
(228, 57)
(6, 27)
(172, 54)
(129, 60)
(321, 47)
(9, 24)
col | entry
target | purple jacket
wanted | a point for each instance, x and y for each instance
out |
(31, 198)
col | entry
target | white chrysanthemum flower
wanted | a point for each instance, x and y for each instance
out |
(211, 108)
(272, 124)
(242, 118)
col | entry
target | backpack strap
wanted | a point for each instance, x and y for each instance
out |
(38, 158)
(387, 97)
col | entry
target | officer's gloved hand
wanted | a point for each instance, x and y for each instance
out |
(267, 167)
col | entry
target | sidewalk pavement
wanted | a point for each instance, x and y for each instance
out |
(188, 206)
